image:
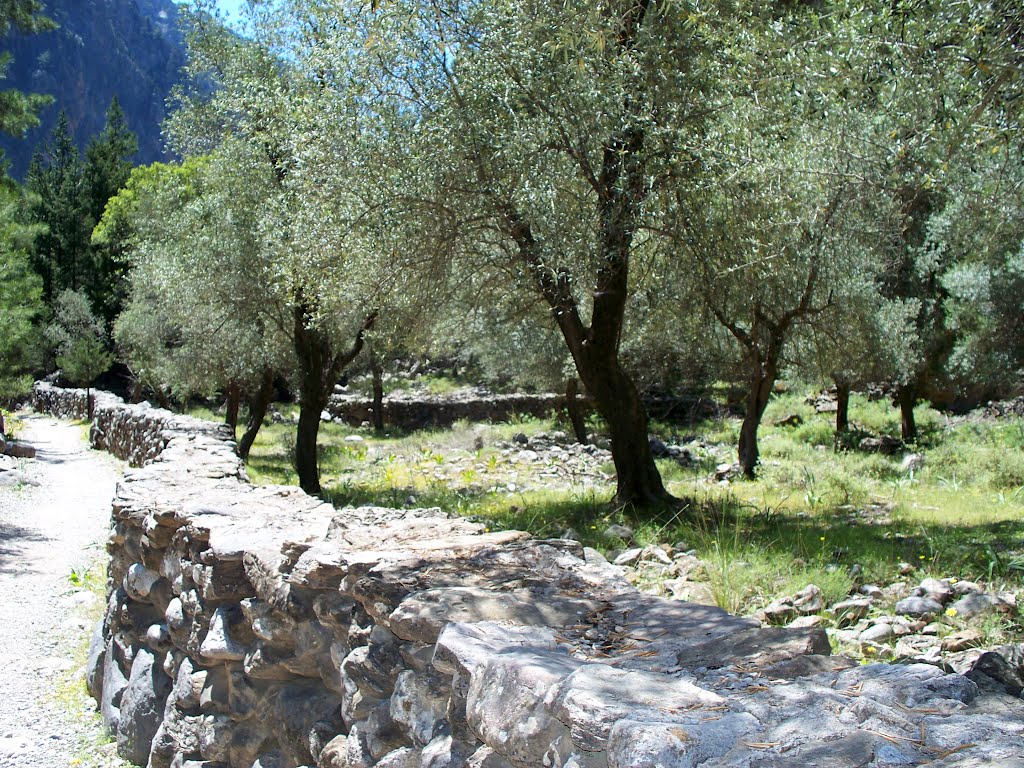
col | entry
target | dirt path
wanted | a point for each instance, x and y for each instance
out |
(49, 527)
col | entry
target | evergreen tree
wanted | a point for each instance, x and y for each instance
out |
(20, 303)
(18, 111)
(108, 159)
(57, 180)
(108, 165)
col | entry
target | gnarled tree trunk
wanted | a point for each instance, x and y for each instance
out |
(762, 381)
(319, 368)
(572, 405)
(258, 405)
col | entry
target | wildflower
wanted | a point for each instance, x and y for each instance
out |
(920, 557)
(951, 612)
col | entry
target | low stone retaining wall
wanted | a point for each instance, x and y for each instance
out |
(409, 412)
(421, 412)
(260, 628)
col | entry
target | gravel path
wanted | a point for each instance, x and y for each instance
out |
(55, 523)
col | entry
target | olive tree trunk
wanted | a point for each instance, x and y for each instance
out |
(842, 405)
(319, 366)
(906, 398)
(232, 402)
(258, 405)
(572, 406)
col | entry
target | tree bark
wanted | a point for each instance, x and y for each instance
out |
(617, 400)
(306, 460)
(233, 399)
(319, 367)
(572, 405)
(906, 397)
(378, 394)
(258, 405)
(757, 400)
(842, 405)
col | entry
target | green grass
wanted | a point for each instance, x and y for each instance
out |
(813, 514)
(96, 749)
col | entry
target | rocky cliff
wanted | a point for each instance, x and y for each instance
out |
(131, 49)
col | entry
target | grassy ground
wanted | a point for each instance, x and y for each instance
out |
(816, 514)
(96, 749)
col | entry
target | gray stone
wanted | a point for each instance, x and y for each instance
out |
(1004, 665)
(219, 645)
(850, 611)
(878, 633)
(419, 705)
(508, 699)
(444, 752)
(401, 758)
(757, 647)
(94, 664)
(114, 683)
(616, 532)
(19, 450)
(142, 708)
(629, 556)
(215, 737)
(633, 744)
(919, 607)
(809, 600)
(939, 591)
(594, 697)
(972, 606)
(485, 757)
(421, 616)
(779, 612)
(138, 582)
(857, 750)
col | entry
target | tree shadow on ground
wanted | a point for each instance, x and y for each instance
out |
(12, 555)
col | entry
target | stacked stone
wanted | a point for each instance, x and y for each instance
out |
(257, 627)
(422, 411)
(134, 433)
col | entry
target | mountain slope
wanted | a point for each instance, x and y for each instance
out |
(128, 48)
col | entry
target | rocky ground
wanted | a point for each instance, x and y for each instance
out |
(933, 621)
(54, 517)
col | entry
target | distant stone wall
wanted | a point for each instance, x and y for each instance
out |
(425, 411)
(411, 411)
(260, 628)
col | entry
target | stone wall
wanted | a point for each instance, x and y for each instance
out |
(424, 411)
(421, 411)
(260, 628)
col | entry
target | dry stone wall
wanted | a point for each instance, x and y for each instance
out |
(423, 411)
(256, 627)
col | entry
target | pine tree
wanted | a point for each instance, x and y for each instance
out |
(108, 165)
(18, 111)
(56, 179)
